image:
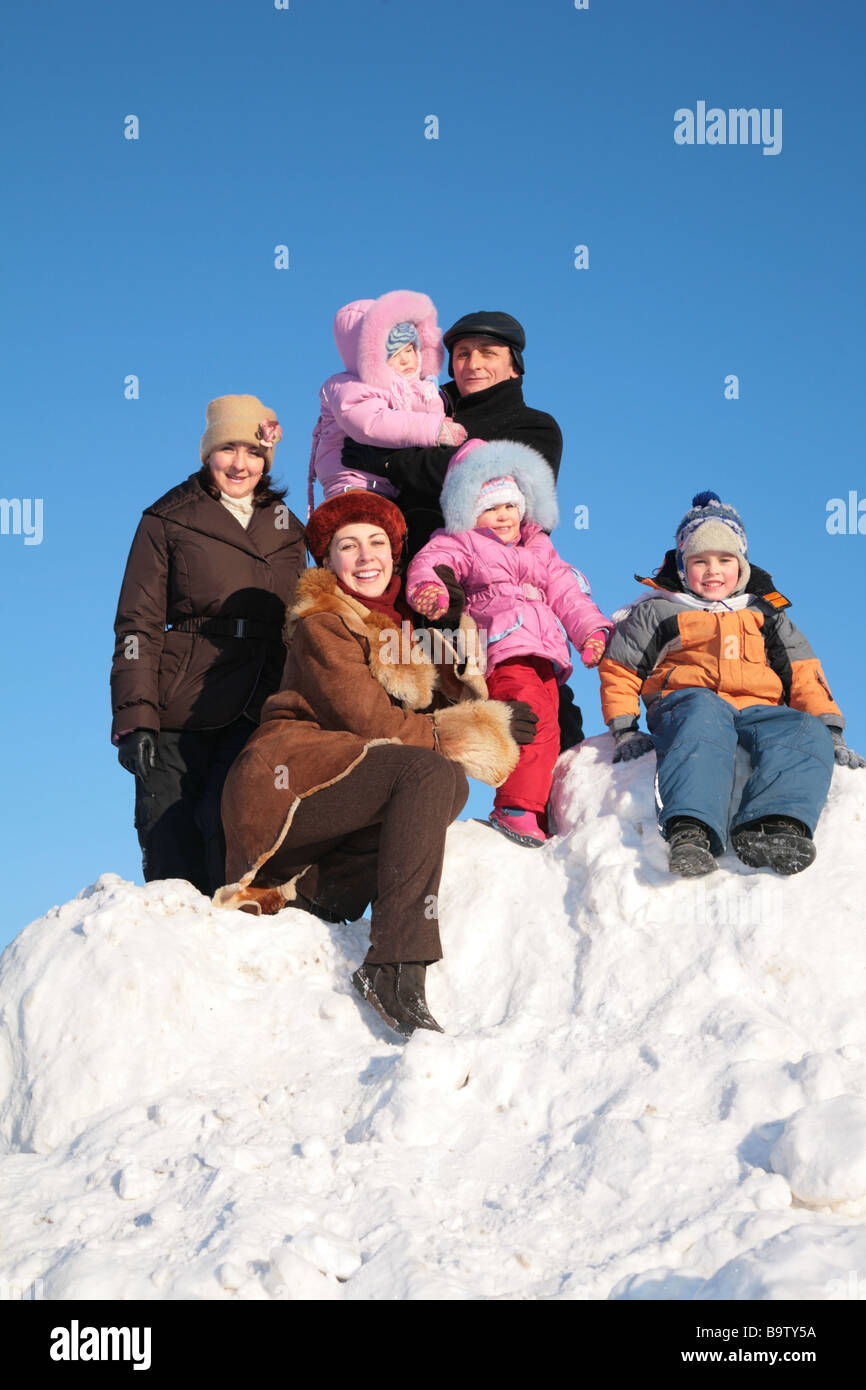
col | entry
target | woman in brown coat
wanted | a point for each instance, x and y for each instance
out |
(344, 793)
(199, 638)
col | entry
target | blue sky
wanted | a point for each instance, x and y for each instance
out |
(305, 127)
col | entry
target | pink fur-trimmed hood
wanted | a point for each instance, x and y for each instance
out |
(361, 331)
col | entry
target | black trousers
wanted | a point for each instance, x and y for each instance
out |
(378, 836)
(177, 810)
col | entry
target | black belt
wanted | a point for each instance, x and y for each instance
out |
(251, 628)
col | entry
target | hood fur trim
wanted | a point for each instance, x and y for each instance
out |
(465, 479)
(402, 668)
(397, 306)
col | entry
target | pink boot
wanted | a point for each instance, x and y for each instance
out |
(520, 826)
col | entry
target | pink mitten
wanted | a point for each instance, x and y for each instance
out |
(430, 599)
(593, 649)
(451, 433)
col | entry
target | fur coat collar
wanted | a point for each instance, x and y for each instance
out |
(410, 666)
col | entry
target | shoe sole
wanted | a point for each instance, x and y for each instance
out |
(528, 841)
(691, 861)
(784, 854)
(362, 987)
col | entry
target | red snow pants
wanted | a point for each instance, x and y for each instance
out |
(529, 678)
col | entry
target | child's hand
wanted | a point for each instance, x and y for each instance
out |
(451, 433)
(430, 599)
(593, 649)
(630, 743)
(845, 756)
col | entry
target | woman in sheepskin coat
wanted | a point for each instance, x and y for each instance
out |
(344, 793)
(199, 638)
(373, 403)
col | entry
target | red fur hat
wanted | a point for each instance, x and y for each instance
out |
(349, 507)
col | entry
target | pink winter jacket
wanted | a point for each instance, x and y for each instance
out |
(524, 597)
(371, 402)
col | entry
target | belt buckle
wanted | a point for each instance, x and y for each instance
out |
(240, 627)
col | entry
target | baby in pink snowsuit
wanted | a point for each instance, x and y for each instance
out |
(392, 351)
(499, 502)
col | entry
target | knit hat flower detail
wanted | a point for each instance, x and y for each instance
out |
(270, 432)
(712, 524)
(240, 420)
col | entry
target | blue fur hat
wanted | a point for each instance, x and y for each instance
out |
(477, 461)
(711, 524)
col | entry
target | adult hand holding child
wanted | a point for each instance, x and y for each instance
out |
(524, 721)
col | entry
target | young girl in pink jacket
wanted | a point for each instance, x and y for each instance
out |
(392, 351)
(499, 502)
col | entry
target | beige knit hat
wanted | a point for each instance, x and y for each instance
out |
(240, 420)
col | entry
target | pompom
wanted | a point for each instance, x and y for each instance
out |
(703, 499)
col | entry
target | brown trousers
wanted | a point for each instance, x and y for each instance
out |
(378, 836)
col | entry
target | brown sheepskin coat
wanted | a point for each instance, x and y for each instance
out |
(349, 683)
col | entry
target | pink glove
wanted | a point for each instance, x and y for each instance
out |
(593, 649)
(430, 599)
(451, 433)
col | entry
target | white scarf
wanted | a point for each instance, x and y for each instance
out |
(241, 508)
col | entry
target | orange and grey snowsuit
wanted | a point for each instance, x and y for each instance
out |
(712, 675)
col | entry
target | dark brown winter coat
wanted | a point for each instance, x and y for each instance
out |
(349, 684)
(191, 558)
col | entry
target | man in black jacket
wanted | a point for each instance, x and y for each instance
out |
(485, 360)
(485, 397)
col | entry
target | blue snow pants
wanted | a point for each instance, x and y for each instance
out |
(696, 733)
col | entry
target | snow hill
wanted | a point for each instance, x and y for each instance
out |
(649, 1088)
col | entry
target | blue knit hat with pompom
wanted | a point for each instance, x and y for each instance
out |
(711, 524)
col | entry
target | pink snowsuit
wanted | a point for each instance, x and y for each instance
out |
(525, 599)
(371, 402)
(527, 602)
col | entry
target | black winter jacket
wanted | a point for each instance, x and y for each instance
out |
(500, 412)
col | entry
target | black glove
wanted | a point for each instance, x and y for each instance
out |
(456, 597)
(367, 458)
(570, 720)
(524, 721)
(630, 743)
(137, 752)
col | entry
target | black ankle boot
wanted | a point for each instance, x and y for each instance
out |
(396, 992)
(690, 851)
(779, 843)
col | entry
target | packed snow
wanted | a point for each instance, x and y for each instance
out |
(648, 1088)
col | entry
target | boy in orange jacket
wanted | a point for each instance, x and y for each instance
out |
(719, 663)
